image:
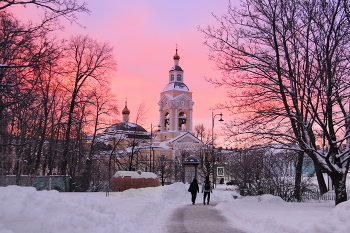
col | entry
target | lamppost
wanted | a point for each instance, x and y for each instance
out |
(212, 141)
(150, 148)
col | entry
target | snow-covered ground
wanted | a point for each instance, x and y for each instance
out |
(25, 210)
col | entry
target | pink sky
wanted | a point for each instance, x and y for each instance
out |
(144, 34)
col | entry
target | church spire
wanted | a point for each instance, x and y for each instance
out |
(176, 58)
(176, 73)
(126, 112)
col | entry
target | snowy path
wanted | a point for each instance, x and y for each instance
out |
(199, 218)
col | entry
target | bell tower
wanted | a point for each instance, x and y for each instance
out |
(175, 105)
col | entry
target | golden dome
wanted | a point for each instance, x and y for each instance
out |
(126, 110)
(176, 56)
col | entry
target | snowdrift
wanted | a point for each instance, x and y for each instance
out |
(23, 209)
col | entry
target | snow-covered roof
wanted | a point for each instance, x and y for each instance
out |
(126, 126)
(123, 130)
(191, 138)
(176, 67)
(176, 86)
(135, 174)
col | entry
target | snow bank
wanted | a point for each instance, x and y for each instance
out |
(23, 209)
(271, 214)
(337, 221)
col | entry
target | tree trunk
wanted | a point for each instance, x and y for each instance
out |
(320, 179)
(339, 187)
(298, 174)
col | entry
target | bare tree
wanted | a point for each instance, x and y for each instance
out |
(52, 10)
(164, 168)
(87, 61)
(263, 170)
(100, 99)
(287, 65)
(203, 134)
(28, 59)
(129, 153)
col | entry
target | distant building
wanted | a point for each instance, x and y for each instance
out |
(163, 152)
(124, 130)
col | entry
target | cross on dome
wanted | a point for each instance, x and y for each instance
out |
(176, 56)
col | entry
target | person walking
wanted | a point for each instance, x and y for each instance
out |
(194, 189)
(207, 189)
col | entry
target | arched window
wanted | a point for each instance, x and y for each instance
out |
(182, 121)
(179, 77)
(166, 121)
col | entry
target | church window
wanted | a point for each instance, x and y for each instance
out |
(166, 121)
(179, 77)
(182, 121)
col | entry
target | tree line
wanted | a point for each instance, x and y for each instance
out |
(53, 93)
(286, 66)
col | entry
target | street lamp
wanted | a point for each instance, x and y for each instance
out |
(212, 140)
(212, 127)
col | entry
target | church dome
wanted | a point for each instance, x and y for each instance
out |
(125, 126)
(124, 130)
(126, 110)
(178, 86)
(176, 67)
(176, 56)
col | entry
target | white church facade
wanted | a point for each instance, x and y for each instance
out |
(166, 151)
(175, 140)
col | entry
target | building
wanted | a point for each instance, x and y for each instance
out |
(175, 140)
(164, 152)
(118, 148)
(124, 130)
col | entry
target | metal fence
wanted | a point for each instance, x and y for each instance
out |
(59, 183)
(328, 196)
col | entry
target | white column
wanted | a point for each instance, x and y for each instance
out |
(161, 120)
(190, 122)
(171, 118)
(176, 119)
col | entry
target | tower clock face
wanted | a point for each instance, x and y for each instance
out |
(179, 77)
(182, 102)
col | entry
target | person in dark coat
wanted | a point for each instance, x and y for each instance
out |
(194, 189)
(207, 188)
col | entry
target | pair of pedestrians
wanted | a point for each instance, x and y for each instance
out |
(206, 189)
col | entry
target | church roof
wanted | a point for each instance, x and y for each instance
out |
(186, 137)
(176, 86)
(124, 130)
(125, 126)
(176, 67)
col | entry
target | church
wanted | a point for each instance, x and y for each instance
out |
(175, 140)
(173, 152)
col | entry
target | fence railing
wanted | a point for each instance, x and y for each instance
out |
(328, 196)
(59, 183)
